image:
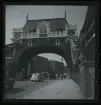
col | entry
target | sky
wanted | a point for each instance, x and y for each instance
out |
(16, 17)
(54, 57)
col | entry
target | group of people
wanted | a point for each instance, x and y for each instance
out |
(61, 76)
(21, 75)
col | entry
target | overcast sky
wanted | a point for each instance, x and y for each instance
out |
(16, 17)
(52, 56)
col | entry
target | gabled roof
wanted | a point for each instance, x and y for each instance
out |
(54, 23)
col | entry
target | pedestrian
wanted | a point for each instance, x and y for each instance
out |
(62, 77)
(56, 76)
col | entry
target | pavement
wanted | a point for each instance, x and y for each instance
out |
(22, 88)
(66, 89)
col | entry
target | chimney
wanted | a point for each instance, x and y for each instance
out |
(65, 14)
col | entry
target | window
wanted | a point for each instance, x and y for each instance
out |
(34, 30)
(61, 29)
(29, 43)
(57, 42)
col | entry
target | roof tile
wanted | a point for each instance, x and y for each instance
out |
(54, 23)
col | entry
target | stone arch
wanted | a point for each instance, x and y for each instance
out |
(33, 51)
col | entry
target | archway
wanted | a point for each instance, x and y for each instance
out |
(33, 51)
(47, 62)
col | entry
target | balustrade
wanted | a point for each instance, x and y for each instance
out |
(17, 29)
(51, 34)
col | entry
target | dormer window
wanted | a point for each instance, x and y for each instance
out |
(57, 42)
(43, 28)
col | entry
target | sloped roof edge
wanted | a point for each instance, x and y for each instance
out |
(47, 19)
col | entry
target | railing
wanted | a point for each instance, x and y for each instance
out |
(29, 35)
(10, 45)
(50, 35)
(58, 34)
(37, 34)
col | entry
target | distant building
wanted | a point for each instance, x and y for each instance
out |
(40, 64)
(58, 67)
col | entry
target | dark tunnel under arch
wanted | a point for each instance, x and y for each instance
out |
(33, 51)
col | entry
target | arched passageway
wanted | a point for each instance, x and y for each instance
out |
(33, 51)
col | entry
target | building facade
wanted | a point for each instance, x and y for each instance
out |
(86, 58)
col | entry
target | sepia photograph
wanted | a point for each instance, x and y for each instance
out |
(49, 52)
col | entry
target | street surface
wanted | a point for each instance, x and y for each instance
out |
(49, 89)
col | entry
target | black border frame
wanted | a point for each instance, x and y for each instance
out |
(53, 3)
